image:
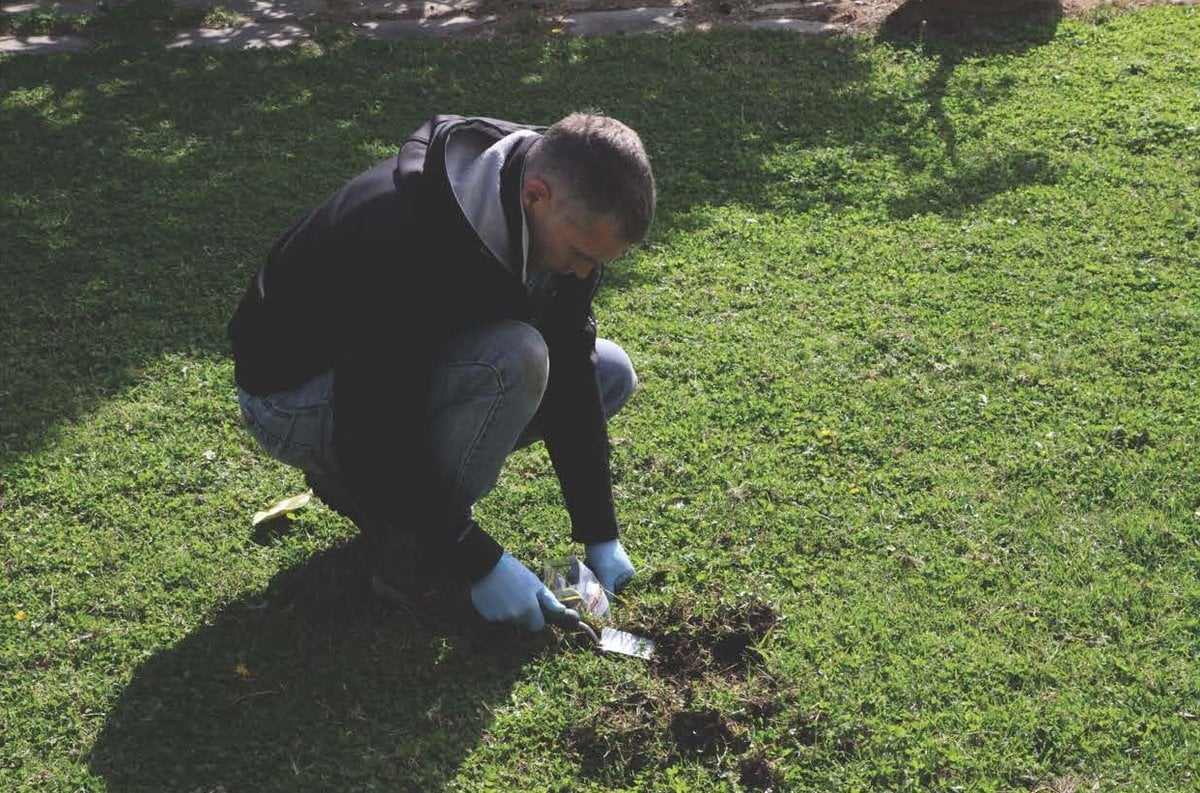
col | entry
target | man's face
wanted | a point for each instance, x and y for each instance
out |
(565, 242)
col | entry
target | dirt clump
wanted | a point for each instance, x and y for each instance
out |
(705, 732)
(735, 652)
(756, 773)
(764, 709)
(620, 739)
(611, 750)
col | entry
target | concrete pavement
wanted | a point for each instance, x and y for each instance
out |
(251, 24)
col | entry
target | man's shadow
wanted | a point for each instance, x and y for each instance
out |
(313, 685)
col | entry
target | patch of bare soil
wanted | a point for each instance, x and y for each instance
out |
(756, 773)
(616, 741)
(718, 649)
(690, 645)
(705, 732)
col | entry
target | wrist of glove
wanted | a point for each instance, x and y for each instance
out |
(610, 563)
(511, 593)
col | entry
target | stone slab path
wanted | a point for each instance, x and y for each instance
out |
(255, 24)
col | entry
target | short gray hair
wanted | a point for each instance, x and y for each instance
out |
(605, 169)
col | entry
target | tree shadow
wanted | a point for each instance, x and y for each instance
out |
(142, 187)
(972, 182)
(174, 171)
(312, 686)
(953, 32)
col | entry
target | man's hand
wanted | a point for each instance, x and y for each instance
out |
(511, 593)
(610, 564)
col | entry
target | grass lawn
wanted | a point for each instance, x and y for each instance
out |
(912, 481)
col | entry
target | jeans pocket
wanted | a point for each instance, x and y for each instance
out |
(291, 435)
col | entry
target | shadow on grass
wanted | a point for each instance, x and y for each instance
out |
(141, 188)
(953, 31)
(311, 687)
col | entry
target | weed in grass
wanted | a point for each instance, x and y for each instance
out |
(219, 16)
(137, 21)
(42, 23)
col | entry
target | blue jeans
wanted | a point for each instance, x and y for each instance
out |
(486, 388)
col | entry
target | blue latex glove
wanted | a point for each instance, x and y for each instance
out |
(610, 564)
(511, 593)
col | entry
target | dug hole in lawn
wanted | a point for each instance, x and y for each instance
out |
(615, 742)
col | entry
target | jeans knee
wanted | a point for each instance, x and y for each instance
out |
(526, 360)
(615, 375)
(628, 381)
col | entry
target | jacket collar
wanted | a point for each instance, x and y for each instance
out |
(511, 179)
(485, 179)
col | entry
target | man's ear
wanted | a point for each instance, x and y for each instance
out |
(534, 190)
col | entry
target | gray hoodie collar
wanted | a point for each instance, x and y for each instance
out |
(473, 168)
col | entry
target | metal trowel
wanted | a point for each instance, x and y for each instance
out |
(615, 641)
(577, 587)
(610, 640)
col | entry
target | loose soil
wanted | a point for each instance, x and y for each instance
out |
(756, 773)
(619, 739)
(688, 645)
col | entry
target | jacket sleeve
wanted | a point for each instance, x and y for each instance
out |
(572, 418)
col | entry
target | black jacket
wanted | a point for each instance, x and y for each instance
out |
(388, 267)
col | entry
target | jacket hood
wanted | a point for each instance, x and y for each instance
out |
(481, 177)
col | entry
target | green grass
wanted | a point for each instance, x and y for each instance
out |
(918, 336)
